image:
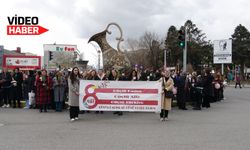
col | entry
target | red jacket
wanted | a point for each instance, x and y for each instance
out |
(43, 90)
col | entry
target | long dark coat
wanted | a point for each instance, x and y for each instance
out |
(18, 77)
(28, 86)
(208, 86)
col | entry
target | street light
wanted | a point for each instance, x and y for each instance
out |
(98, 55)
(162, 47)
(99, 59)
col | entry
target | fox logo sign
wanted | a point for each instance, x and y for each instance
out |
(27, 25)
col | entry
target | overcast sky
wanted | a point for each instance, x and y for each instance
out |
(74, 21)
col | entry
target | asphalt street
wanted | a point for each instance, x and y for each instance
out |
(224, 126)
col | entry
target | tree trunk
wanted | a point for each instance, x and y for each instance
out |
(242, 64)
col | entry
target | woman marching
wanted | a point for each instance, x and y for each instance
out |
(167, 87)
(73, 82)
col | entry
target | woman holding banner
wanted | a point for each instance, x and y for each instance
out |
(114, 77)
(73, 82)
(167, 94)
(134, 76)
(94, 76)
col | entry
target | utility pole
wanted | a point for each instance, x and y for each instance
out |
(165, 58)
(222, 69)
(99, 59)
(185, 52)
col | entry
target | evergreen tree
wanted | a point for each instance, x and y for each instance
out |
(171, 44)
(241, 46)
(199, 50)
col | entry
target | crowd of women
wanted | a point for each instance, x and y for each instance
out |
(52, 90)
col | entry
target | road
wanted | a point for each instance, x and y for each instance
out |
(225, 126)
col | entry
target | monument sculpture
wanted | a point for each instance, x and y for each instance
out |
(112, 58)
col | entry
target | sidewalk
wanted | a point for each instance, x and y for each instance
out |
(243, 85)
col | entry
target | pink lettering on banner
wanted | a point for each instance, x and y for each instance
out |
(136, 91)
(128, 102)
(127, 96)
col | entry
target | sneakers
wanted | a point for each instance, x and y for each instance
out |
(74, 119)
(6, 106)
(116, 112)
(120, 113)
(164, 119)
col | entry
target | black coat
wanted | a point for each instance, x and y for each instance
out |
(28, 86)
(7, 77)
(180, 83)
(93, 78)
(208, 86)
(18, 77)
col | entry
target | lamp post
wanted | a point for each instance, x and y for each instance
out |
(98, 55)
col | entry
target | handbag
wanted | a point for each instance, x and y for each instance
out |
(174, 90)
(31, 98)
(168, 94)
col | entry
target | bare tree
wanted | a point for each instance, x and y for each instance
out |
(132, 44)
(151, 42)
(64, 59)
(146, 51)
